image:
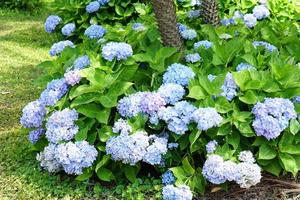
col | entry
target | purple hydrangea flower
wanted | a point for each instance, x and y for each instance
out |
(151, 102)
(116, 50)
(51, 23)
(72, 77)
(171, 92)
(68, 29)
(211, 146)
(95, 32)
(33, 114)
(207, 118)
(82, 62)
(179, 74)
(35, 135)
(58, 47)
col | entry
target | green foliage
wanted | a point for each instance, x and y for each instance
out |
(20, 4)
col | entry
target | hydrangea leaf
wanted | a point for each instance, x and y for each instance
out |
(266, 152)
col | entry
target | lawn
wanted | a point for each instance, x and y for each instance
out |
(23, 45)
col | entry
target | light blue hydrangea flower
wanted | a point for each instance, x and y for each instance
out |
(129, 149)
(246, 156)
(68, 29)
(238, 15)
(33, 114)
(72, 77)
(297, 99)
(195, 2)
(168, 178)
(250, 20)
(211, 146)
(179, 74)
(266, 45)
(229, 88)
(204, 43)
(181, 192)
(244, 66)
(116, 50)
(261, 12)
(228, 22)
(82, 62)
(51, 23)
(55, 90)
(193, 58)
(103, 2)
(230, 170)
(95, 32)
(47, 159)
(58, 47)
(193, 14)
(61, 127)
(138, 27)
(74, 157)
(189, 34)
(151, 102)
(248, 174)
(35, 135)
(130, 106)
(155, 151)
(211, 77)
(121, 126)
(207, 118)
(92, 7)
(181, 27)
(213, 169)
(171, 92)
(173, 146)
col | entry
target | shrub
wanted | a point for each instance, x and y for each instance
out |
(223, 115)
(20, 4)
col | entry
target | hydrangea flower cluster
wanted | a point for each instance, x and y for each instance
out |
(229, 88)
(51, 23)
(70, 157)
(218, 171)
(227, 22)
(266, 45)
(92, 7)
(61, 127)
(121, 126)
(68, 29)
(130, 106)
(206, 118)
(35, 135)
(204, 43)
(58, 47)
(250, 20)
(272, 117)
(55, 90)
(168, 178)
(155, 151)
(181, 192)
(244, 66)
(261, 12)
(33, 114)
(151, 103)
(211, 146)
(95, 32)
(188, 34)
(193, 14)
(179, 74)
(72, 77)
(116, 50)
(82, 62)
(171, 93)
(138, 27)
(193, 58)
(297, 99)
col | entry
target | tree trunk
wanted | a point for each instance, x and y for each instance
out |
(165, 14)
(210, 12)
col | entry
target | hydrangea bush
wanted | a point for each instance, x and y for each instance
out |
(221, 111)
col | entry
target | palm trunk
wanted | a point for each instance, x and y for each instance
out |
(165, 14)
(210, 12)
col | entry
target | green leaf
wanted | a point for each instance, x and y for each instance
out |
(193, 137)
(266, 152)
(196, 92)
(87, 173)
(233, 139)
(83, 131)
(103, 162)
(95, 111)
(104, 174)
(105, 133)
(274, 167)
(289, 163)
(294, 126)
(250, 97)
(131, 172)
(187, 166)
(224, 130)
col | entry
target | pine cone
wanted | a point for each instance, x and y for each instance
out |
(210, 12)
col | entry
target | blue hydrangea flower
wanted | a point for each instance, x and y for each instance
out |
(74, 157)
(103, 2)
(168, 178)
(211, 146)
(193, 14)
(193, 58)
(55, 90)
(61, 127)
(195, 2)
(47, 159)
(72, 77)
(213, 169)
(51, 23)
(227, 22)
(92, 7)
(33, 114)
(250, 20)
(58, 47)
(68, 29)
(151, 102)
(261, 12)
(129, 149)
(207, 118)
(173, 146)
(238, 15)
(118, 50)
(189, 34)
(297, 99)
(82, 62)
(35, 135)
(155, 151)
(179, 74)
(204, 43)
(121, 126)
(211, 77)
(230, 170)
(138, 27)
(130, 106)
(266, 45)
(229, 88)
(246, 156)
(171, 92)
(95, 31)
(248, 174)
(182, 27)
(181, 192)
(244, 66)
